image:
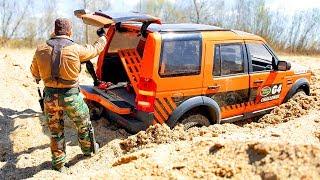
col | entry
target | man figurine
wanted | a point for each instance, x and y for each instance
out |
(57, 63)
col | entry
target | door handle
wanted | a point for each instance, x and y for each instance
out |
(214, 87)
(258, 81)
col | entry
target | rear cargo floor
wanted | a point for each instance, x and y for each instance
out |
(123, 94)
(119, 96)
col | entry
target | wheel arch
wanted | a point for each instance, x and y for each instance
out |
(205, 103)
(303, 84)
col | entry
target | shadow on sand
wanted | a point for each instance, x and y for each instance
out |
(7, 155)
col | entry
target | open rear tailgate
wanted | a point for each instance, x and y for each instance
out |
(101, 18)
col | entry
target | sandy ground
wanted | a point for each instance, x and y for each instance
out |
(284, 144)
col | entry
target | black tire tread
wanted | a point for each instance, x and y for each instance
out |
(193, 119)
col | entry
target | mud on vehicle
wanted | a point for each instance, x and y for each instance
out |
(192, 74)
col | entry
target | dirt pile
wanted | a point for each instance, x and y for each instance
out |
(296, 107)
(160, 134)
(205, 159)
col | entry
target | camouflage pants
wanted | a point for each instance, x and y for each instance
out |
(77, 110)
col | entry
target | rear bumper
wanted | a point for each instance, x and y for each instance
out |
(130, 119)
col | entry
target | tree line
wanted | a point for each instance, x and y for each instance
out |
(293, 33)
(296, 32)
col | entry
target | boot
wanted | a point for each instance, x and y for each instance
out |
(63, 169)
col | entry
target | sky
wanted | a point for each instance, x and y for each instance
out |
(287, 6)
(290, 6)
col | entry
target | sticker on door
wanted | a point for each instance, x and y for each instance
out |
(269, 93)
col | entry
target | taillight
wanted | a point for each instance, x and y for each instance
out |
(146, 95)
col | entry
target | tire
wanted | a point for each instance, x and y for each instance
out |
(190, 120)
(95, 110)
(299, 92)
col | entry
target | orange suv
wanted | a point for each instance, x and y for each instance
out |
(192, 74)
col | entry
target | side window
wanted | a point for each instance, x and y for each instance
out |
(260, 56)
(229, 60)
(180, 56)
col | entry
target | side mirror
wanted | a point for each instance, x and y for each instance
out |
(283, 66)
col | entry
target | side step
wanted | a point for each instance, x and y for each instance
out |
(247, 115)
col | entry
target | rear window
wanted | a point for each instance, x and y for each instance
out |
(181, 55)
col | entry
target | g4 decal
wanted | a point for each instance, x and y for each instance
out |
(270, 93)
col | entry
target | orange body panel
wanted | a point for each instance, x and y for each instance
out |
(224, 83)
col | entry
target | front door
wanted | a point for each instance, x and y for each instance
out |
(266, 85)
(226, 76)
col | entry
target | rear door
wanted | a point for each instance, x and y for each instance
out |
(179, 74)
(266, 85)
(101, 18)
(226, 76)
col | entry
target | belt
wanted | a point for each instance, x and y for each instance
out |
(50, 90)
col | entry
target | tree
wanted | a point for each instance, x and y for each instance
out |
(94, 5)
(201, 8)
(45, 24)
(12, 14)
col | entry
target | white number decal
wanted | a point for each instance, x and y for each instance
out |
(276, 89)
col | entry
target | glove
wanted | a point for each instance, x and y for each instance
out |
(104, 85)
(101, 32)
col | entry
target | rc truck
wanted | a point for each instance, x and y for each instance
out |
(192, 74)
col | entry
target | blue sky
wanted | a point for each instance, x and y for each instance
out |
(287, 6)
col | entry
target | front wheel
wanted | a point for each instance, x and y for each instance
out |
(300, 92)
(190, 120)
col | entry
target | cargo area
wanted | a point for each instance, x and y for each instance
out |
(114, 72)
(121, 67)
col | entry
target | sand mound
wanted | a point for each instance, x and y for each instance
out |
(296, 107)
(222, 159)
(161, 134)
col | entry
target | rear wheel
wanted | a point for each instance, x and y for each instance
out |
(193, 119)
(95, 110)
